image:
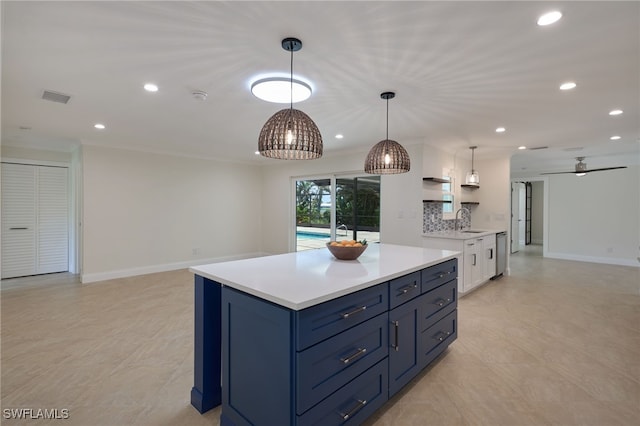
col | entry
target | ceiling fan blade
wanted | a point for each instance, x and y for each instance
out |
(585, 171)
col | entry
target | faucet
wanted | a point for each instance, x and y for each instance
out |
(455, 225)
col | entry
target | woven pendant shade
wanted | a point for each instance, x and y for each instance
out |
(387, 157)
(290, 135)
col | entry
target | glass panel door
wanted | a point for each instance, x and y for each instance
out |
(313, 213)
(358, 208)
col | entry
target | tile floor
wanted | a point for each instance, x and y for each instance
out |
(555, 343)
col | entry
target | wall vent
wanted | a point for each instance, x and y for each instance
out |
(48, 95)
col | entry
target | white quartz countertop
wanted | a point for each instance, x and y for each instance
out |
(307, 278)
(462, 235)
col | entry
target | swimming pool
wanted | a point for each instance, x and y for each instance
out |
(311, 235)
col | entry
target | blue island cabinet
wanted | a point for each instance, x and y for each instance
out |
(336, 362)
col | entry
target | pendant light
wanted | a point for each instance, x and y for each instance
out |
(290, 134)
(387, 157)
(472, 177)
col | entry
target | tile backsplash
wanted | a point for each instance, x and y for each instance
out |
(438, 223)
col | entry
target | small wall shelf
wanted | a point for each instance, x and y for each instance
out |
(435, 180)
(470, 186)
(437, 201)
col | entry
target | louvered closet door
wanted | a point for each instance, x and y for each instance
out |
(53, 223)
(35, 225)
(18, 220)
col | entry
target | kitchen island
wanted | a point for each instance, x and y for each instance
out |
(304, 338)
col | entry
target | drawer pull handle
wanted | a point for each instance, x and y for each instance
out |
(347, 360)
(406, 289)
(354, 410)
(441, 302)
(444, 336)
(395, 340)
(15, 228)
(355, 311)
(442, 275)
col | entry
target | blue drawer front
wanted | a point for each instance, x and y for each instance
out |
(435, 339)
(327, 366)
(437, 275)
(353, 403)
(404, 289)
(443, 297)
(322, 321)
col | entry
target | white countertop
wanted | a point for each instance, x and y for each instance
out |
(307, 278)
(461, 235)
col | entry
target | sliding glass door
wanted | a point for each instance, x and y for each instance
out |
(336, 208)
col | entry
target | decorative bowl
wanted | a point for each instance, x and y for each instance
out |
(346, 253)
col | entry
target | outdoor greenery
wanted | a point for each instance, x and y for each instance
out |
(310, 210)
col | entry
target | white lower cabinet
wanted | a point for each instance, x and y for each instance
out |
(477, 264)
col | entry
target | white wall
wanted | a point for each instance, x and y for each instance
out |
(595, 218)
(400, 203)
(148, 212)
(494, 210)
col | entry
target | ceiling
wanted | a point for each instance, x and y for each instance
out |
(459, 70)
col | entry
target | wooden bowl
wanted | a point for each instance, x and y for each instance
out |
(346, 253)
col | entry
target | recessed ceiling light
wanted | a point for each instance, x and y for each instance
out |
(99, 126)
(500, 130)
(150, 87)
(615, 138)
(568, 85)
(339, 136)
(615, 112)
(522, 147)
(257, 152)
(279, 90)
(549, 18)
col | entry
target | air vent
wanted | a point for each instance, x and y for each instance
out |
(535, 148)
(61, 98)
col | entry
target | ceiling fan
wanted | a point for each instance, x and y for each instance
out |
(581, 169)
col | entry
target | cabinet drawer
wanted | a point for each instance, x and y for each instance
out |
(404, 289)
(435, 339)
(437, 275)
(322, 321)
(327, 366)
(353, 403)
(440, 298)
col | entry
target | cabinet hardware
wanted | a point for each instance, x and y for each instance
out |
(490, 253)
(474, 260)
(441, 302)
(444, 336)
(408, 288)
(16, 228)
(395, 340)
(355, 311)
(354, 410)
(347, 360)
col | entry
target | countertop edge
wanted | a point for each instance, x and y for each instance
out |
(457, 235)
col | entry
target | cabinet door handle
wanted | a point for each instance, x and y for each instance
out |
(347, 360)
(354, 410)
(444, 335)
(395, 339)
(474, 260)
(490, 253)
(355, 311)
(15, 228)
(408, 288)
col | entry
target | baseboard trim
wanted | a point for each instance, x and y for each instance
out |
(593, 259)
(151, 269)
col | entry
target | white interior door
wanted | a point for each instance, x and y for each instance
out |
(517, 193)
(35, 219)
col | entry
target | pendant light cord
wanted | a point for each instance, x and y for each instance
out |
(387, 118)
(291, 81)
